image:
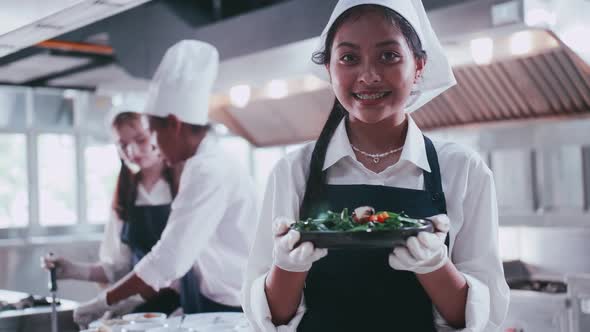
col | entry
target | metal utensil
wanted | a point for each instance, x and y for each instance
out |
(53, 289)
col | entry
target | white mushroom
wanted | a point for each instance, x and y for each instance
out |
(361, 214)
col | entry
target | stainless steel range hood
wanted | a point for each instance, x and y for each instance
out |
(28, 22)
(552, 83)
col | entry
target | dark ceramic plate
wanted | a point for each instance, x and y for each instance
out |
(359, 240)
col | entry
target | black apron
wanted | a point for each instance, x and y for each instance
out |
(141, 232)
(356, 289)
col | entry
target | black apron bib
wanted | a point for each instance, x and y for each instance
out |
(141, 232)
(356, 289)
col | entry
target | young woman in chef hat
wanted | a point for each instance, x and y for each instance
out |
(141, 205)
(383, 61)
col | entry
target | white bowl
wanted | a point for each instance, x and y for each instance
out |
(217, 327)
(141, 327)
(143, 317)
(172, 329)
(113, 324)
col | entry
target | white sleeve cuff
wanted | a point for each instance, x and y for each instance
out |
(114, 272)
(477, 308)
(150, 274)
(261, 311)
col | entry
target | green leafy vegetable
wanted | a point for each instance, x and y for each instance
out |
(343, 221)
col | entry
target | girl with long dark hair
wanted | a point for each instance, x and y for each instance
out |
(144, 191)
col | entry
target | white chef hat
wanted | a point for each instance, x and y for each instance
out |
(437, 75)
(183, 82)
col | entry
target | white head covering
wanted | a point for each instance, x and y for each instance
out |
(127, 103)
(183, 82)
(115, 111)
(108, 122)
(437, 75)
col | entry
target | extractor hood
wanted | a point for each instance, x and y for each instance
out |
(27, 22)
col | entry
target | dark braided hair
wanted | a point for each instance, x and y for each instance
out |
(316, 180)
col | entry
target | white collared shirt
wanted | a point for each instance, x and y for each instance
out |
(210, 227)
(471, 205)
(114, 255)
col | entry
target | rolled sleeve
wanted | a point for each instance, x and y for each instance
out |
(197, 211)
(475, 254)
(261, 312)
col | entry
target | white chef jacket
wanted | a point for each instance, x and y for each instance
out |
(114, 255)
(210, 227)
(471, 204)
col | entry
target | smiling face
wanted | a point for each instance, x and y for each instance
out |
(372, 67)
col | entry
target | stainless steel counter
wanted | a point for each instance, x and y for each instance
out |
(532, 311)
(35, 319)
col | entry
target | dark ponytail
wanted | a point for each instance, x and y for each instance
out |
(316, 180)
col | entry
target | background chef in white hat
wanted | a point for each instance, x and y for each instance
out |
(383, 61)
(141, 205)
(214, 211)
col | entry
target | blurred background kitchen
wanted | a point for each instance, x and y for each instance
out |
(522, 101)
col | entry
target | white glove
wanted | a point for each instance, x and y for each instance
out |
(426, 252)
(98, 308)
(90, 311)
(287, 258)
(66, 269)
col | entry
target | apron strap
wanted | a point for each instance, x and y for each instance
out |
(432, 180)
(190, 294)
(433, 183)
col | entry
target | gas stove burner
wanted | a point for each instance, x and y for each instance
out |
(545, 286)
(27, 302)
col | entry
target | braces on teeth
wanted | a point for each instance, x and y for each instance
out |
(373, 96)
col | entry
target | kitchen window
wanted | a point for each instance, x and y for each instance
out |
(14, 200)
(59, 166)
(57, 180)
(52, 110)
(101, 171)
(12, 106)
(48, 139)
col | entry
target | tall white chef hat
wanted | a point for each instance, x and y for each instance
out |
(437, 75)
(183, 82)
